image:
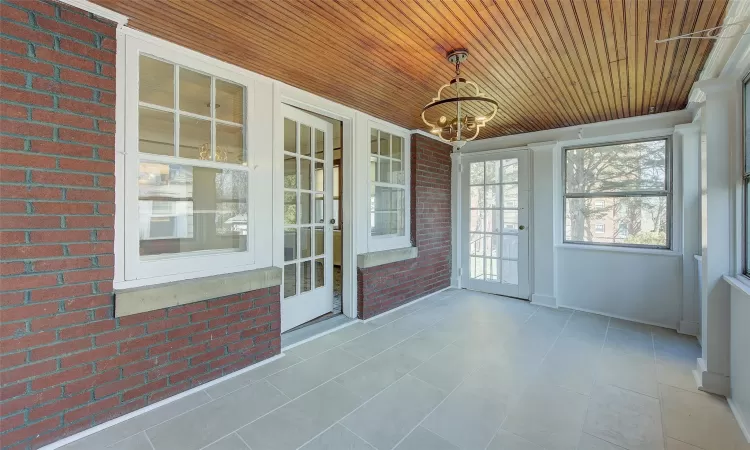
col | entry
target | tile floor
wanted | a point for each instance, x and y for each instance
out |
(459, 370)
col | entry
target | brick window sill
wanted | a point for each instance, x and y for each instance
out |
(165, 295)
(374, 259)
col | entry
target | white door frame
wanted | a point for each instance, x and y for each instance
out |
(461, 161)
(289, 95)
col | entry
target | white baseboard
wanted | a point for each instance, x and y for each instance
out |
(407, 304)
(712, 382)
(688, 328)
(614, 316)
(322, 333)
(740, 419)
(145, 409)
(544, 300)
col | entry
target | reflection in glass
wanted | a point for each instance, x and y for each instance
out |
(155, 131)
(476, 268)
(305, 242)
(304, 208)
(385, 144)
(230, 101)
(320, 144)
(476, 220)
(320, 181)
(320, 241)
(476, 197)
(493, 193)
(510, 221)
(397, 147)
(493, 245)
(290, 244)
(492, 269)
(387, 211)
(510, 246)
(290, 208)
(304, 174)
(492, 172)
(510, 170)
(290, 136)
(290, 280)
(320, 272)
(290, 171)
(155, 82)
(186, 209)
(195, 92)
(306, 276)
(510, 196)
(374, 141)
(195, 138)
(476, 244)
(320, 213)
(385, 170)
(229, 146)
(510, 272)
(476, 173)
(305, 140)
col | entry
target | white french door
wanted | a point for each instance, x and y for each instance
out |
(494, 214)
(307, 280)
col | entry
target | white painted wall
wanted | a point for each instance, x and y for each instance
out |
(740, 356)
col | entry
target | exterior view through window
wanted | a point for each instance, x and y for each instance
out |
(619, 194)
(746, 169)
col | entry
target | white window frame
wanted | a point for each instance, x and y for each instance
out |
(390, 242)
(671, 192)
(131, 270)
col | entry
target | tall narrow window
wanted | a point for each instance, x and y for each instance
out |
(746, 171)
(625, 184)
(387, 185)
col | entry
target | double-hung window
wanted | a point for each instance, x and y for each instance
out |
(389, 190)
(187, 167)
(625, 184)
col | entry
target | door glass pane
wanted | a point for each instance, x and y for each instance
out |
(195, 92)
(510, 221)
(492, 196)
(305, 180)
(305, 242)
(306, 276)
(185, 209)
(373, 168)
(492, 242)
(494, 222)
(492, 272)
(320, 241)
(290, 208)
(320, 144)
(195, 138)
(290, 171)
(510, 272)
(290, 244)
(320, 272)
(492, 172)
(510, 170)
(155, 82)
(304, 208)
(230, 101)
(290, 280)
(155, 132)
(229, 144)
(476, 268)
(510, 246)
(320, 215)
(396, 148)
(374, 141)
(290, 136)
(476, 244)
(305, 140)
(476, 220)
(510, 196)
(476, 173)
(319, 177)
(476, 197)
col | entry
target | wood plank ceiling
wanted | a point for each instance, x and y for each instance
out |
(549, 63)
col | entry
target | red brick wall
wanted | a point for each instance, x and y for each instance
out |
(385, 287)
(65, 363)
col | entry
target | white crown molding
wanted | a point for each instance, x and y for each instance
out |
(542, 146)
(688, 128)
(429, 135)
(104, 13)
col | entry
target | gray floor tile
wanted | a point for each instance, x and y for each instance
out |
(309, 331)
(625, 418)
(589, 442)
(378, 373)
(423, 439)
(629, 341)
(508, 441)
(391, 415)
(137, 442)
(371, 344)
(628, 370)
(251, 376)
(231, 442)
(337, 438)
(314, 347)
(425, 344)
(139, 423)
(301, 420)
(448, 367)
(214, 420)
(313, 372)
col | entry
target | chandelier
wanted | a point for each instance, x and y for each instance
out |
(460, 108)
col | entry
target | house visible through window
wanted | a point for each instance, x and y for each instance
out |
(625, 184)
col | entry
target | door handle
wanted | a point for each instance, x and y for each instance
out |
(332, 221)
(521, 227)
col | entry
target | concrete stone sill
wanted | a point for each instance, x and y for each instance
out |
(374, 259)
(160, 296)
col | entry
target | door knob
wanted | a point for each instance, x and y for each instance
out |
(332, 221)
(521, 227)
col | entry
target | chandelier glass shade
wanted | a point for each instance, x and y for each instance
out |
(460, 109)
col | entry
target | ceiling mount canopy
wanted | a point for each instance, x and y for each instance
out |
(460, 108)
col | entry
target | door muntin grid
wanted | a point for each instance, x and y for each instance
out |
(493, 221)
(305, 232)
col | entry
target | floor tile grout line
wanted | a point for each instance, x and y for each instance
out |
(240, 438)
(153, 447)
(317, 386)
(347, 428)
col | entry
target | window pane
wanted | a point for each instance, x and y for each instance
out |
(510, 272)
(185, 209)
(306, 276)
(510, 196)
(493, 170)
(319, 177)
(476, 173)
(305, 246)
(510, 170)
(230, 101)
(510, 246)
(373, 168)
(510, 221)
(492, 243)
(385, 170)
(476, 220)
(320, 144)
(290, 280)
(492, 272)
(195, 138)
(624, 220)
(305, 140)
(494, 221)
(617, 168)
(388, 211)
(290, 171)
(320, 212)
(304, 208)
(320, 275)
(195, 92)
(385, 144)
(156, 82)
(229, 144)
(476, 244)
(290, 136)
(476, 268)
(305, 178)
(320, 241)
(492, 195)
(290, 244)
(397, 173)
(476, 197)
(155, 131)
(397, 147)
(374, 141)
(290, 208)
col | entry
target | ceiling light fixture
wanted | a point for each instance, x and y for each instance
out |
(458, 126)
